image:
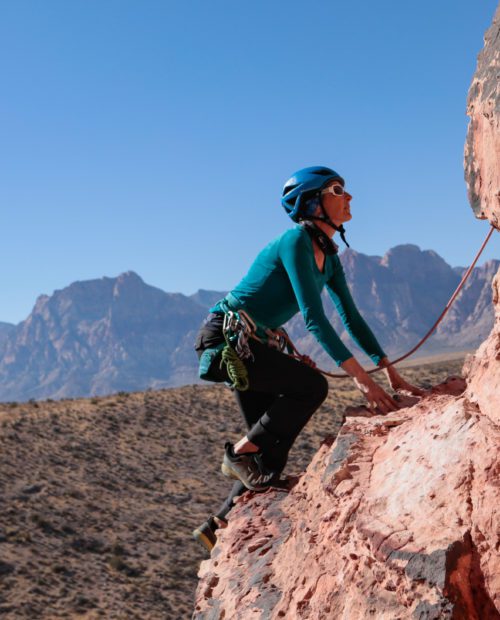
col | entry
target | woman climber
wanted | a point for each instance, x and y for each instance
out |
(276, 393)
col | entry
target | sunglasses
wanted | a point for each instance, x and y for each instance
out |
(336, 190)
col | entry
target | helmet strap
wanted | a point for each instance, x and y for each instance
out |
(325, 243)
(327, 220)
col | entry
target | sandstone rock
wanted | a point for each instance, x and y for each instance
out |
(482, 173)
(482, 148)
(394, 519)
(483, 369)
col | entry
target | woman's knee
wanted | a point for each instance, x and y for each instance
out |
(317, 387)
(324, 387)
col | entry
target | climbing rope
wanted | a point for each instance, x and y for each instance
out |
(236, 369)
(298, 356)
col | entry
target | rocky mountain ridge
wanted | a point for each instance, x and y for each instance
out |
(120, 334)
(408, 289)
(5, 330)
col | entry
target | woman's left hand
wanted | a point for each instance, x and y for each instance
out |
(397, 383)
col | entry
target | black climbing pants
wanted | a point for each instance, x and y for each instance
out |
(282, 396)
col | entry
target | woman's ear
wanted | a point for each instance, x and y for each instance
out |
(318, 211)
(313, 207)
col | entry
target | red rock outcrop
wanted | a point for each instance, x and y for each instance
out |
(398, 516)
(394, 519)
(482, 174)
(482, 148)
(482, 370)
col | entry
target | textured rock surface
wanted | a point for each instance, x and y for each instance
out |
(483, 369)
(395, 519)
(482, 149)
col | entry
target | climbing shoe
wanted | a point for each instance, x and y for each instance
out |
(248, 468)
(205, 534)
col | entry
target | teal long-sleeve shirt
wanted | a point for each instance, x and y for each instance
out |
(284, 279)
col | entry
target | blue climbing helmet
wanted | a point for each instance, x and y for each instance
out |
(302, 195)
(304, 185)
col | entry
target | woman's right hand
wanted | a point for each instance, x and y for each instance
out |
(376, 396)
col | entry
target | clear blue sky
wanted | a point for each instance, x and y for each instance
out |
(156, 136)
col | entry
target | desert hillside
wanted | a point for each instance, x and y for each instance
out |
(98, 497)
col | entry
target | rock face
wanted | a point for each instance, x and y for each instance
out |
(394, 519)
(482, 148)
(398, 516)
(483, 369)
(482, 174)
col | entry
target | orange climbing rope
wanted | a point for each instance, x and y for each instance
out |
(297, 355)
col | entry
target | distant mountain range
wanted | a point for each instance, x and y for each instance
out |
(401, 295)
(121, 334)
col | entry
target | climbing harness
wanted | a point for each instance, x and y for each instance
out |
(239, 327)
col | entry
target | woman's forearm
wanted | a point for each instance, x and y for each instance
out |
(353, 368)
(388, 369)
